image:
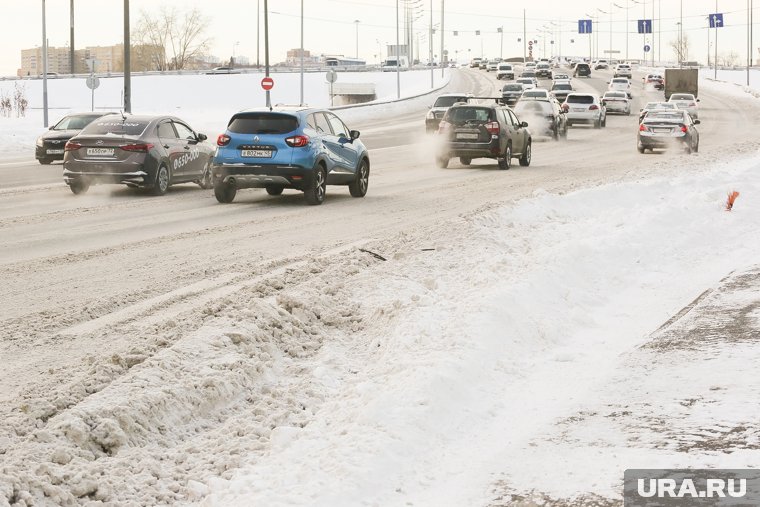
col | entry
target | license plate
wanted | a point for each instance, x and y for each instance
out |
(256, 153)
(578, 109)
(667, 130)
(467, 136)
(55, 152)
(100, 152)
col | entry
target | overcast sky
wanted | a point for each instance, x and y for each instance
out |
(330, 27)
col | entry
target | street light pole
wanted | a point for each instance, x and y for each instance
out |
(71, 37)
(398, 58)
(430, 46)
(301, 103)
(258, 38)
(127, 62)
(356, 22)
(44, 68)
(443, 32)
(266, 50)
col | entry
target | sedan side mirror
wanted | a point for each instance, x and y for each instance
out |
(524, 124)
(697, 100)
(354, 134)
(696, 122)
(202, 137)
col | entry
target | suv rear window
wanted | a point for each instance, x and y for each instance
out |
(448, 101)
(512, 88)
(116, 126)
(580, 99)
(582, 66)
(681, 96)
(263, 123)
(532, 94)
(462, 115)
(533, 107)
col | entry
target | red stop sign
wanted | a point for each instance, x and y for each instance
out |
(267, 83)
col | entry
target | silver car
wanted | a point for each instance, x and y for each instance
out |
(617, 102)
(666, 129)
(585, 108)
(686, 101)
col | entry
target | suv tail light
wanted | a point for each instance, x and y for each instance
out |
(492, 127)
(593, 107)
(643, 128)
(297, 141)
(692, 104)
(141, 148)
(72, 146)
(684, 129)
(223, 140)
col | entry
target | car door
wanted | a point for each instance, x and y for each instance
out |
(346, 152)
(329, 142)
(172, 146)
(521, 134)
(189, 162)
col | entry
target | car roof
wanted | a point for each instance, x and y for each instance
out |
(463, 94)
(280, 108)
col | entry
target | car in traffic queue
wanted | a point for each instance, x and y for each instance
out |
(475, 63)
(655, 106)
(493, 65)
(621, 84)
(582, 70)
(439, 108)
(617, 102)
(140, 151)
(544, 115)
(665, 129)
(543, 70)
(560, 76)
(585, 108)
(535, 93)
(686, 101)
(561, 89)
(655, 81)
(601, 64)
(483, 64)
(296, 147)
(505, 71)
(512, 92)
(623, 70)
(527, 82)
(50, 145)
(493, 131)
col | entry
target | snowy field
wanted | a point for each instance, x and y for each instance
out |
(511, 355)
(205, 101)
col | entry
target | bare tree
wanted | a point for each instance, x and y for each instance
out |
(730, 59)
(180, 34)
(681, 48)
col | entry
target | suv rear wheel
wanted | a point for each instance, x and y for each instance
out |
(315, 192)
(224, 192)
(79, 187)
(274, 189)
(506, 161)
(526, 156)
(465, 160)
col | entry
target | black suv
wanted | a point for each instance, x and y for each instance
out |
(546, 117)
(483, 131)
(511, 93)
(582, 70)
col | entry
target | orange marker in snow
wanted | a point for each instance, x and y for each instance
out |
(731, 198)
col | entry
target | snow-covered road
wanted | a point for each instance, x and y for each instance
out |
(174, 350)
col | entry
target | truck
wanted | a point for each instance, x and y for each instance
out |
(393, 63)
(681, 81)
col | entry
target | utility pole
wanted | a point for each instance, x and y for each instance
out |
(356, 22)
(525, 40)
(301, 103)
(127, 62)
(44, 68)
(430, 46)
(627, 6)
(258, 38)
(715, 76)
(71, 37)
(266, 49)
(443, 32)
(398, 58)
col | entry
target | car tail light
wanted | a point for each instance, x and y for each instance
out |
(223, 140)
(643, 128)
(492, 127)
(141, 148)
(593, 107)
(684, 129)
(297, 141)
(72, 146)
(692, 104)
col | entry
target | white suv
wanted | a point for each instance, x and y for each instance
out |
(621, 84)
(505, 71)
(585, 108)
(623, 70)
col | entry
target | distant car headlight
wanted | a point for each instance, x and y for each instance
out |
(430, 115)
(39, 142)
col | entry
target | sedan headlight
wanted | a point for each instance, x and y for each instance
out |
(39, 142)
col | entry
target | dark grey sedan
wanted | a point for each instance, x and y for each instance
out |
(151, 152)
(665, 129)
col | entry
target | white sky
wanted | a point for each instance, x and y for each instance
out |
(330, 28)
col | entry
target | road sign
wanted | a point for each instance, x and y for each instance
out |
(645, 26)
(267, 83)
(93, 82)
(647, 47)
(331, 76)
(584, 26)
(716, 20)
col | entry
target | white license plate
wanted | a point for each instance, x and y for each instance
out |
(100, 152)
(662, 130)
(467, 136)
(256, 153)
(55, 152)
(578, 109)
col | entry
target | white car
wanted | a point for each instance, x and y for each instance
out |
(505, 71)
(617, 101)
(621, 84)
(686, 101)
(535, 94)
(653, 106)
(560, 76)
(527, 82)
(493, 65)
(586, 108)
(623, 70)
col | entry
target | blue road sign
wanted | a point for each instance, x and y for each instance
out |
(584, 26)
(716, 20)
(645, 26)
(647, 48)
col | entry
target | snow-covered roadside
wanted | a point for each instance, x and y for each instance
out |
(480, 346)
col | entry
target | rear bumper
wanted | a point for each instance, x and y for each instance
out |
(617, 107)
(490, 149)
(261, 175)
(133, 178)
(661, 141)
(431, 124)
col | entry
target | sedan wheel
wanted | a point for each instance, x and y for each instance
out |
(358, 187)
(315, 192)
(162, 181)
(205, 182)
(506, 162)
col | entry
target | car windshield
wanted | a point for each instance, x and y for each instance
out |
(535, 94)
(681, 96)
(505, 67)
(561, 86)
(512, 88)
(580, 99)
(75, 122)
(448, 101)
(464, 115)
(533, 107)
(621, 81)
(615, 95)
(116, 126)
(665, 116)
(659, 105)
(524, 80)
(263, 123)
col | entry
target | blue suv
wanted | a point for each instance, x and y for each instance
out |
(289, 147)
